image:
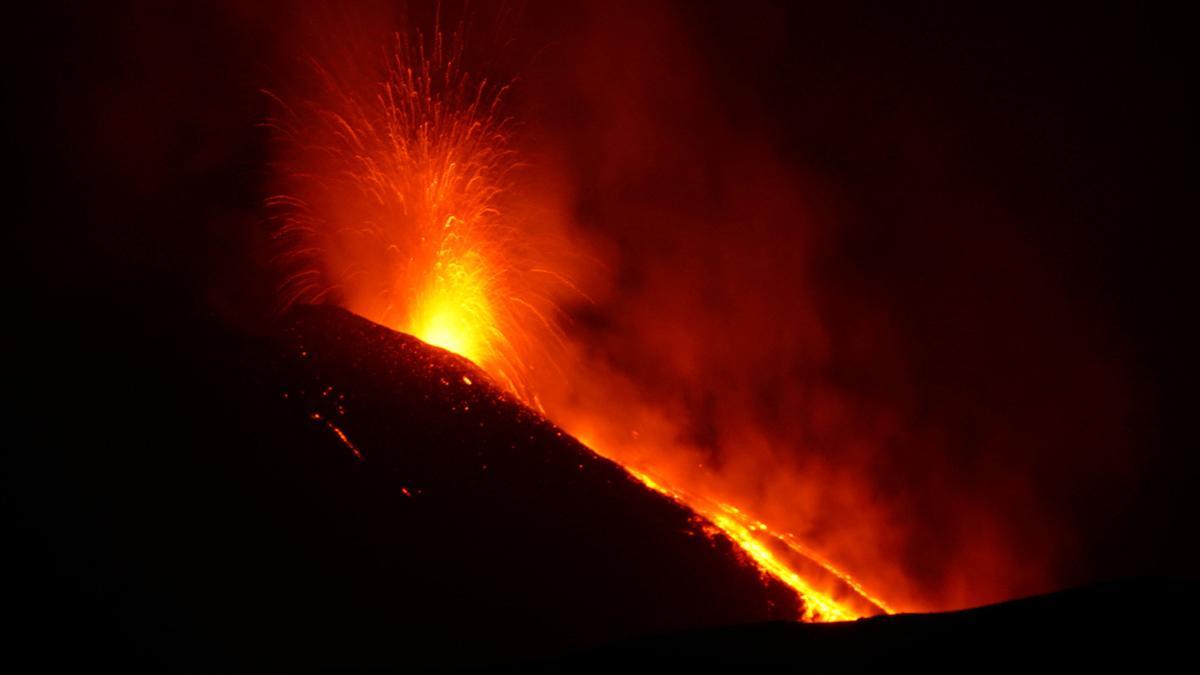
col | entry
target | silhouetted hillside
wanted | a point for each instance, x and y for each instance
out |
(194, 503)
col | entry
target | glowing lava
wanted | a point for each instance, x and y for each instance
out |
(454, 312)
(402, 170)
(403, 178)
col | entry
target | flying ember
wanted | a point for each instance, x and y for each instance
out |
(397, 178)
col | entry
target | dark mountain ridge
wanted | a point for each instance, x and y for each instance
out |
(334, 494)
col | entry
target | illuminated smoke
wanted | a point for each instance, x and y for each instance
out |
(393, 205)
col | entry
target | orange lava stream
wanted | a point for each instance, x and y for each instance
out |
(818, 606)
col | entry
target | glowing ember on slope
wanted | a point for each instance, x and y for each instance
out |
(403, 178)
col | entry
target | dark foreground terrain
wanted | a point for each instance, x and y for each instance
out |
(328, 495)
(1142, 624)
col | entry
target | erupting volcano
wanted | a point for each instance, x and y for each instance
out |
(430, 333)
(406, 227)
(395, 209)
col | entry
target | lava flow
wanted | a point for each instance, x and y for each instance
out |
(393, 204)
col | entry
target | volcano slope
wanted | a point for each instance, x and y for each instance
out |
(331, 493)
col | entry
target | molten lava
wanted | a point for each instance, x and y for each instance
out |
(394, 208)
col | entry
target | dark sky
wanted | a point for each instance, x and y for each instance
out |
(1006, 192)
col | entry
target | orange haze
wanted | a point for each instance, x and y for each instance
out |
(637, 259)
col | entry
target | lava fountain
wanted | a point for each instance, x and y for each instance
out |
(395, 180)
(401, 221)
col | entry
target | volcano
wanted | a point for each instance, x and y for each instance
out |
(768, 314)
(336, 493)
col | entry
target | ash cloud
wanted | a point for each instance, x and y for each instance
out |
(837, 295)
